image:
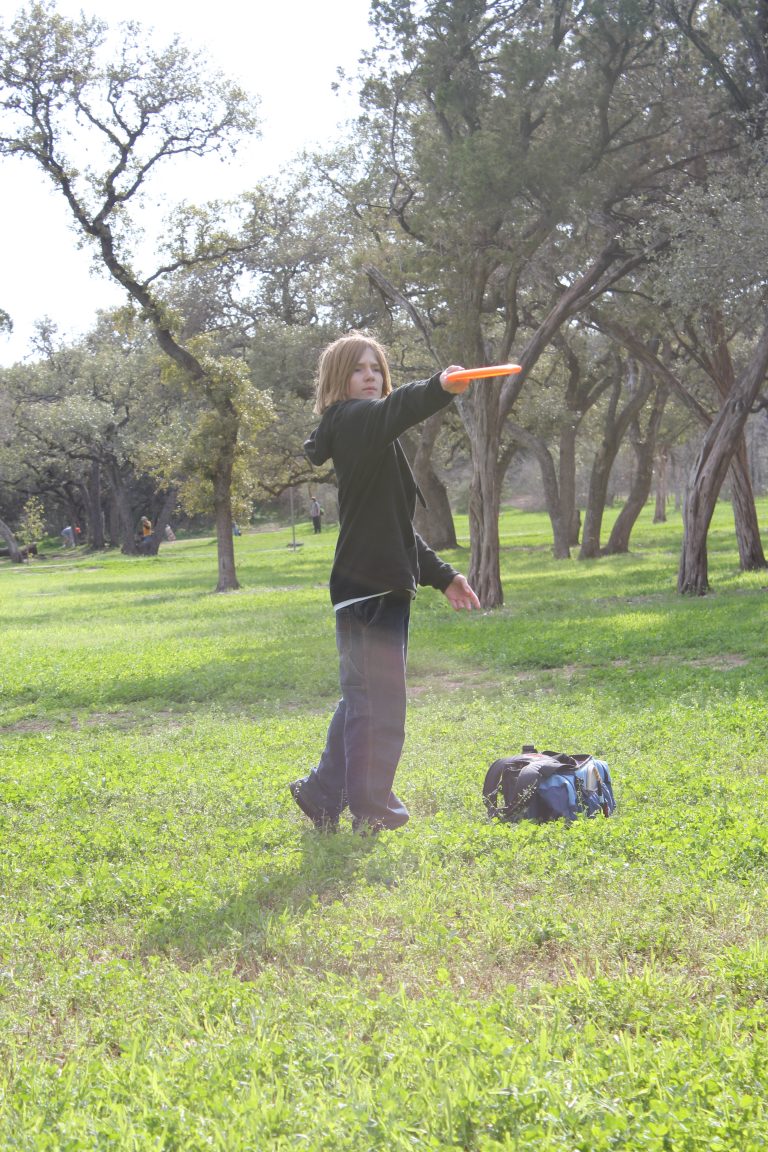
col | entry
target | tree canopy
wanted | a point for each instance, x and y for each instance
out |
(574, 185)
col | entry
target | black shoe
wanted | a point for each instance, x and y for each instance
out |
(323, 820)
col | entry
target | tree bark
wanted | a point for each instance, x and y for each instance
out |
(721, 369)
(161, 523)
(13, 548)
(484, 507)
(662, 467)
(483, 426)
(123, 512)
(435, 522)
(751, 554)
(559, 510)
(618, 541)
(222, 503)
(709, 471)
(641, 383)
(91, 493)
(113, 517)
(596, 499)
(568, 510)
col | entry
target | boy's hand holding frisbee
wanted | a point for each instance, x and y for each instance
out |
(456, 379)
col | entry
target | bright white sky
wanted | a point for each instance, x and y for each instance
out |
(286, 52)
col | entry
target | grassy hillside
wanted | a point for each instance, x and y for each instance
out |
(185, 964)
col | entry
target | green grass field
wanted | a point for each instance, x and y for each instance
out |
(185, 964)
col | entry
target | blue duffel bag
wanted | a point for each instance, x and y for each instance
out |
(544, 786)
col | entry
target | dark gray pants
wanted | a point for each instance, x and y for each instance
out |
(367, 731)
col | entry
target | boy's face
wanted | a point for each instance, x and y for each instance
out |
(367, 379)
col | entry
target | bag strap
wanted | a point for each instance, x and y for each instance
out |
(516, 778)
(519, 788)
(492, 785)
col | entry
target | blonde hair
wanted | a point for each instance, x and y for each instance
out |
(337, 363)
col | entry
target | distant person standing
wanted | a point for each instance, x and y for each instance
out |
(315, 515)
(144, 543)
(68, 536)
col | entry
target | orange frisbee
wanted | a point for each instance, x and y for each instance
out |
(479, 373)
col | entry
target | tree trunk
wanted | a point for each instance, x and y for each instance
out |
(751, 555)
(662, 464)
(692, 576)
(435, 522)
(596, 499)
(13, 548)
(640, 384)
(480, 414)
(484, 507)
(709, 471)
(73, 505)
(97, 514)
(222, 503)
(679, 484)
(618, 541)
(560, 511)
(161, 523)
(568, 510)
(113, 518)
(123, 512)
(91, 493)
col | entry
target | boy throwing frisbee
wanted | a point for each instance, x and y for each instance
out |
(380, 559)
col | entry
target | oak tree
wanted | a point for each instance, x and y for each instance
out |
(100, 114)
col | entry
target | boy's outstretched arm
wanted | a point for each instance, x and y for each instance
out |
(460, 595)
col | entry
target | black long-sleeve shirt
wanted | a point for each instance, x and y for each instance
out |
(378, 549)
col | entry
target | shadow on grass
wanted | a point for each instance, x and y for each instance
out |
(260, 917)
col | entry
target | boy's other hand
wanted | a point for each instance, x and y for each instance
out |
(456, 387)
(460, 595)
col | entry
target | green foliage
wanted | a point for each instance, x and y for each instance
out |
(186, 965)
(66, 87)
(67, 90)
(718, 250)
(189, 452)
(32, 524)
